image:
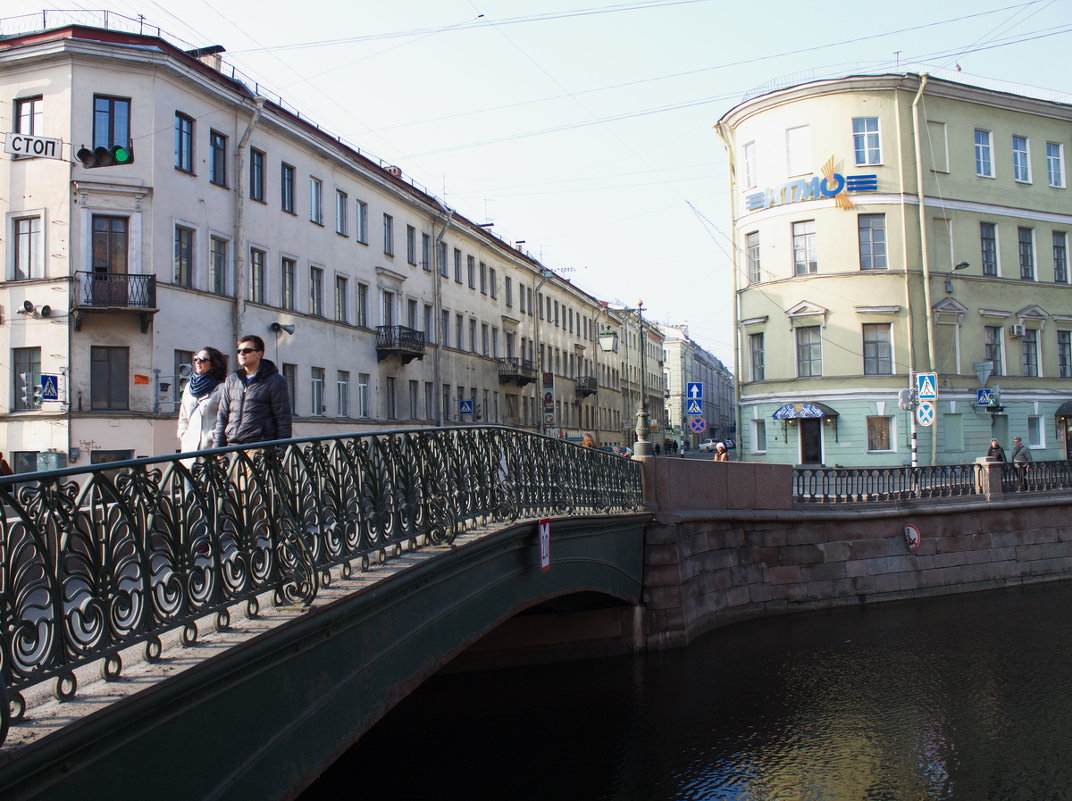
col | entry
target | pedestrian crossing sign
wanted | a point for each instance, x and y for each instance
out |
(927, 386)
(50, 387)
(694, 406)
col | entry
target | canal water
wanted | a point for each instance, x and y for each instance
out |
(967, 697)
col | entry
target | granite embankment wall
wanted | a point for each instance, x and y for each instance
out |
(727, 544)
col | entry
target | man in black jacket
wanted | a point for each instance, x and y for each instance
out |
(255, 406)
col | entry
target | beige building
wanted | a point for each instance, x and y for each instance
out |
(698, 386)
(893, 225)
(381, 306)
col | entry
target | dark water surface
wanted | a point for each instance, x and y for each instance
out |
(967, 697)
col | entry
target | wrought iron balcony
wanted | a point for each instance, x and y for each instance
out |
(587, 385)
(398, 340)
(99, 291)
(520, 371)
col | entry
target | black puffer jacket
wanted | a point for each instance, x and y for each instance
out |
(255, 412)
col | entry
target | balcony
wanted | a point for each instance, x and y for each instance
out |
(586, 385)
(398, 340)
(114, 292)
(520, 371)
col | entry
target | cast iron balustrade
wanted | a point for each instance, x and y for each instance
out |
(520, 371)
(882, 484)
(110, 292)
(1036, 476)
(587, 385)
(406, 343)
(95, 561)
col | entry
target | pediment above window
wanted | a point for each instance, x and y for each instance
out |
(806, 309)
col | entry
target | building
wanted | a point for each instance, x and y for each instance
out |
(686, 364)
(226, 213)
(891, 225)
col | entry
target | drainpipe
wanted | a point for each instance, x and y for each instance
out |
(932, 359)
(437, 294)
(727, 141)
(240, 219)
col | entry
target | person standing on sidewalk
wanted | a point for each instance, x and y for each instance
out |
(255, 406)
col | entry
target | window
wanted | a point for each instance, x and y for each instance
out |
(988, 243)
(257, 266)
(1055, 164)
(483, 278)
(878, 353)
(426, 251)
(1034, 431)
(459, 332)
(414, 389)
(485, 347)
(798, 150)
(751, 246)
(1060, 257)
(493, 288)
(184, 256)
(984, 147)
(1026, 248)
(1064, 354)
(29, 115)
(217, 265)
(316, 383)
(872, 229)
(109, 378)
(878, 434)
(362, 305)
(472, 336)
(362, 394)
(24, 360)
(457, 265)
(865, 141)
(388, 235)
(809, 352)
(109, 244)
(441, 253)
(217, 158)
(444, 328)
(749, 160)
(390, 400)
(342, 386)
(429, 332)
(411, 244)
(755, 352)
(342, 213)
(184, 142)
(111, 121)
(759, 436)
(256, 174)
(508, 287)
(290, 375)
(429, 400)
(471, 269)
(387, 308)
(992, 348)
(316, 201)
(1021, 160)
(287, 270)
(362, 222)
(953, 431)
(286, 188)
(1029, 347)
(29, 260)
(342, 299)
(804, 248)
(316, 291)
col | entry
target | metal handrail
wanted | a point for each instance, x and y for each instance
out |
(832, 485)
(399, 336)
(93, 561)
(1036, 476)
(116, 290)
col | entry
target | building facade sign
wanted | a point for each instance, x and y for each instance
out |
(833, 185)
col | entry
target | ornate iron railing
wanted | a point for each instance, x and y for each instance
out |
(882, 484)
(1036, 476)
(95, 561)
(116, 290)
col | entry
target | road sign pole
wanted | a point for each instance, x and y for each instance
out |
(912, 415)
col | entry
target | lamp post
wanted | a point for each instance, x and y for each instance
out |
(607, 342)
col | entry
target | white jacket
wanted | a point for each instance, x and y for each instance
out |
(197, 419)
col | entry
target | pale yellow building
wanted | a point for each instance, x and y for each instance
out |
(846, 292)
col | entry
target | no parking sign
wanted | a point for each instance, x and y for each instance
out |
(697, 425)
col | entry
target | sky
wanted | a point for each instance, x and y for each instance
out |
(583, 129)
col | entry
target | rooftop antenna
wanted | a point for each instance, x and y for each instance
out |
(897, 58)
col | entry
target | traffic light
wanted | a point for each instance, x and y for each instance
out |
(106, 156)
(31, 392)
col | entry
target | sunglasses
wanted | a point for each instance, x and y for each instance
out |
(199, 359)
(244, 351)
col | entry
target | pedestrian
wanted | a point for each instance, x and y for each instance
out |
(5, 468)
(721, 454)
(200, 402)
(996, 452)
(657, 449)
(255, 406)
(1020, 454)
(588, 441)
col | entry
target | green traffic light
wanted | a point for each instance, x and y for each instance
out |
(122, 155)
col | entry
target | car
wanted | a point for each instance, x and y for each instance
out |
(708, 445)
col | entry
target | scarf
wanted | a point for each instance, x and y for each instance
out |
(202, 384)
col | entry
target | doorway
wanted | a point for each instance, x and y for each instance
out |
(811, 440)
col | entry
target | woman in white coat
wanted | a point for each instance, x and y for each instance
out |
(201, 400)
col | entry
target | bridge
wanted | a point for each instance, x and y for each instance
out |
(224, 626)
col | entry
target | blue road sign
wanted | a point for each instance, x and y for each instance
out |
(465, 407)
(50, 387)
(694, 406)
(927, 386)
(698, 425)
(694, 390)
(984, 397)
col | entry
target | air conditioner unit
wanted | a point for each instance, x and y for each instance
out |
(1016, 330)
